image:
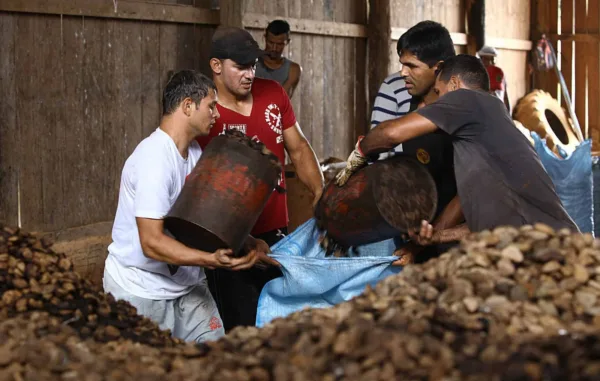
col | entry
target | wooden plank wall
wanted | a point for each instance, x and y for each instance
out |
(505, 19)
(592, 57)
(510, 19)
(330, 101)
(545, 20)
(9, 133)
(574, 32)
(405, 14)
(79, 94)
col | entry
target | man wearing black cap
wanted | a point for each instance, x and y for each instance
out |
(261, 109)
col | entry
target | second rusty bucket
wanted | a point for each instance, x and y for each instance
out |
(380, 201)
(225, 194)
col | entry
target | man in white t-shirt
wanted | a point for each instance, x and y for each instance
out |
(138, 265)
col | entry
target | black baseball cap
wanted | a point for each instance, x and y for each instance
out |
(235, 44)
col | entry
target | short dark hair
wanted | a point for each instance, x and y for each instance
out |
(429, 41)
(185, 84)
(468, 68)
(278, 27)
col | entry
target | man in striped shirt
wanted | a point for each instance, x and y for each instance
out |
(392, 101)
(421, 49)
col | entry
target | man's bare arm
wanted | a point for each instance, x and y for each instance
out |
(159, 246)
(452, 234)
(451, 216)
(392, 132)
(293, 79)
(304, 159)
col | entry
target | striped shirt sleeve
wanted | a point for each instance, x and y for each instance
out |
(392, 100)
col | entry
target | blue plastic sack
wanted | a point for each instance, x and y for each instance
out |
(312, 280)
(573, 180)
(596, 192)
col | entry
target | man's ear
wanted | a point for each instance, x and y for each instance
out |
(437, 65)
(455, 83)
(186, 106)
(216, 65)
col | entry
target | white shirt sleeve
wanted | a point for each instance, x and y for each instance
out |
(153, 185)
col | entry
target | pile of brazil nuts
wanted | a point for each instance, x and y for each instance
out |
(508, 304)
(35, 278)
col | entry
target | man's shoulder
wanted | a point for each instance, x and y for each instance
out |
(267, 88)
(494, 68)
(474, 102)
(263, 84)
(153, 147)
(295, 66)
(495, 73)
(157, 138)
(464, 93)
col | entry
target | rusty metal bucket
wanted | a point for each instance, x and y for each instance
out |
(381, 201)
(223, 196)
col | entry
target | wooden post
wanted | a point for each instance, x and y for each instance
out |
(538, 25)
(475, 25)
(545, 21)
(378, 45)
(593, 77)
(566, 57)
(232, 12)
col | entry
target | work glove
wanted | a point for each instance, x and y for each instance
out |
(355, 161)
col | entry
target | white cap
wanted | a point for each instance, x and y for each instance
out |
(487, 51)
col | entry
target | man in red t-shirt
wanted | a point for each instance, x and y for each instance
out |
(261, 109)
(488, 55)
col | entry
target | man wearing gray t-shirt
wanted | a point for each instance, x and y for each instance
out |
(500, 178)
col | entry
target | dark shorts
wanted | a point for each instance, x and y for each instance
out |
(236, 292)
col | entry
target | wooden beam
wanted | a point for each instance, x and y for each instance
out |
(378, 46)
(457, 38)
(461, 39)
(232, 12)
(124, 9)
(305, 26)
(71, 234)
(577, 37)
(509, 43)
